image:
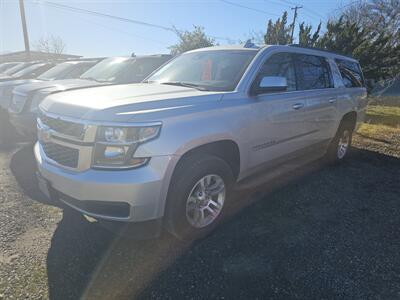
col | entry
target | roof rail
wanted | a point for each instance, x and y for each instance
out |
(319, 49)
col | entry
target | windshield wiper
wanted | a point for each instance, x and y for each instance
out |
(186, 84)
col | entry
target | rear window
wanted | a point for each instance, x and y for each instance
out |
(351, 73)
(312, 72)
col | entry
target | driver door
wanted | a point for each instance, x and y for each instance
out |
(279, 116)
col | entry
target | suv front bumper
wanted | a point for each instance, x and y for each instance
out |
(134, 195)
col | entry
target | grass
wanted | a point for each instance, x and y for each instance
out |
(381, 130)
(383, 115)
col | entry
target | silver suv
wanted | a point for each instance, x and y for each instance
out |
(171, 149)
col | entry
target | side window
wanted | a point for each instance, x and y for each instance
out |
(312, 72)
(280, 64)
(351, 73)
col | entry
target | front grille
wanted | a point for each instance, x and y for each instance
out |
(61, 154)
(64, 127)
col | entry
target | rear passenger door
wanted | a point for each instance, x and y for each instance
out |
(314, 80)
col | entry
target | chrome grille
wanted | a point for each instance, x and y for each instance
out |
(62, 155)
(75, 130)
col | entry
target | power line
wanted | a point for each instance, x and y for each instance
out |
(349, 4)
(250, 8)
(306, 8)
(98, 14)
(81, 10)
(288, 6)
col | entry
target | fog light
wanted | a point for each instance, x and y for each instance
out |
(112, 152)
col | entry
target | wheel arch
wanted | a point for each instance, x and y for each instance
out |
(349, 118)
(226, 149)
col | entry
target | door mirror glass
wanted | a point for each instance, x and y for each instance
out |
(272, 84)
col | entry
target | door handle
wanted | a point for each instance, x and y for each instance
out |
(297, 105)
(332, 100)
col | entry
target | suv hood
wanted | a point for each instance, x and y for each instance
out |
(125, 102)
(57, 85)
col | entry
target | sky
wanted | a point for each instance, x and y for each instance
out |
(91, 35)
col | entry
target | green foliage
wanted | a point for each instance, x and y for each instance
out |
(306, 38)
(190, 40)
(375, 51)
(368, 31)
(278, 33)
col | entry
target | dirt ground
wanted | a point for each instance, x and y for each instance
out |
(320, 232)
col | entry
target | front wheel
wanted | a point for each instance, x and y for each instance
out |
(198, 196)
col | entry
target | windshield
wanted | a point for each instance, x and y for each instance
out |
(6, 66)
(28, 70)
(57, 72)
(16, 68)
(107, 70)
(212, 70)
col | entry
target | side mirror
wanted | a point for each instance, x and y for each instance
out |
(271, 84)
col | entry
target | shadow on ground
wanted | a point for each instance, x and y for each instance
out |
(23, 167)
(8, 135)
(322, 233)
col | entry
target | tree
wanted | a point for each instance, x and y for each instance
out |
(306, 39)
(377, 16)
(190, 40)
(50, 44)
(377, 54)
(278, 33)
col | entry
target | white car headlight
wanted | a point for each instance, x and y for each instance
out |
(115, 146)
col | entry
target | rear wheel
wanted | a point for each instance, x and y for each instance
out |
(339, 148)
(198, 196)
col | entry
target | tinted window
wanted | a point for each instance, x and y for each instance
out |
(79, 70)
(17, 68)
(140, 68)
(56, 72)
(312, 72)
(281, 65)
(351, 73)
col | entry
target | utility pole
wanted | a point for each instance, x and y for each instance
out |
(24, 29)
(294, 20)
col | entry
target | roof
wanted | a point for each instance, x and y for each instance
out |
(226, 48)
(293, 48)
(34, 55)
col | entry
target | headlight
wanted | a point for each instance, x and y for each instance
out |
(36, 100)
(115, 146)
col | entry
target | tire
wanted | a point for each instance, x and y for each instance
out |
(340, 145)
(183, 213)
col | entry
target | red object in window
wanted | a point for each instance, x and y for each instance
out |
(207, 70)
